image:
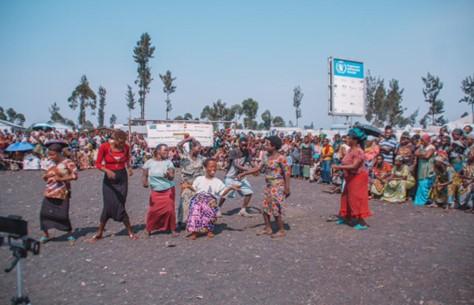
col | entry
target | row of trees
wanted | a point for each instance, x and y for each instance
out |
(12, 116)
(384, 105)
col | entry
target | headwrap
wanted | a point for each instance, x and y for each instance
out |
(426, 137)
(275, 141)
(357, 133)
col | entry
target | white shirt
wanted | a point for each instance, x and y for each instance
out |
(213, 186)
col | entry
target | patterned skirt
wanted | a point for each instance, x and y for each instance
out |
(202, 213)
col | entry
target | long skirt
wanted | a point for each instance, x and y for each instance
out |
(183, 208)
(202, 213)
(161, 215)
(355, 197)
(55, 214)
(423, 191)
(114, 194)
(326, 171)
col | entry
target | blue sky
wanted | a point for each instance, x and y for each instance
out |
(229, 50)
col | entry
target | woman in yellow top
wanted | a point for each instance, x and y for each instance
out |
(327, 153)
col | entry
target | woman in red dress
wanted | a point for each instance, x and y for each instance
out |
(355, 199)
(113, 159)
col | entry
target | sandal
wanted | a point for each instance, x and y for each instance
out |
(360, 227)
(44, 239)
(264, 232)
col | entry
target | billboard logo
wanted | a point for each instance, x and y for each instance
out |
(341, 67)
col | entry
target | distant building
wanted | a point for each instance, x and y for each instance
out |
(10, 127)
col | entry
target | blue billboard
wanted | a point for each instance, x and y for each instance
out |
(347, 68)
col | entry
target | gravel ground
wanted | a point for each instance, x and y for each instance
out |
(408, 256)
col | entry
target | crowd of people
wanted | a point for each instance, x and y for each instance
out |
(428, 170)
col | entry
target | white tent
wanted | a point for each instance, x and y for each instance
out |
(9, 126)
(460, 123)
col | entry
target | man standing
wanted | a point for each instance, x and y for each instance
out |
(388, 145)
(239, 162)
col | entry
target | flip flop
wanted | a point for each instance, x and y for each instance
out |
(360, 227)
(264, 232)
(44, 239)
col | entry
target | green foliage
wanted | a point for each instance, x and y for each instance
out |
(467, 87)
(266, 119)
(249, 110)
(101, 112)
(142, 53)
(112, 120)
(55, 115)
(130, 98)
(218, 112)
(12, 116)
(433, 86)
(3, 116)
(168, 89)
(278, 121)
(297, 98)
(83, 97)
(384, 106)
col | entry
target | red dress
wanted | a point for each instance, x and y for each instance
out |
(355, 196)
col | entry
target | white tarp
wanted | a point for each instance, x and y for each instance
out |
(172, 133)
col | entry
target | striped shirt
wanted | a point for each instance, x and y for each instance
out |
(388, 154)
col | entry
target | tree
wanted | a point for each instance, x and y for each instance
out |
(168, 89)
(130, 97)
(250, 109)
(218, 112)
(290, 124)
(297, 97)
(370, 88)
(188, 116)
(101, 112)
(55, 115)
(112, 120)
(267, 119)
(393, 104)
(3, 116)
(380, 115)
(278, 121)
(467, 86)
(142, 53)
(83, 97)
(431, 91)
(14, 117)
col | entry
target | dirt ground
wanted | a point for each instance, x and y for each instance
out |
(408, 256)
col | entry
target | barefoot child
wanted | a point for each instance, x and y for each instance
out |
(277, 178)
(203, 205)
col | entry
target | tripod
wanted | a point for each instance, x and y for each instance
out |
(19, 254)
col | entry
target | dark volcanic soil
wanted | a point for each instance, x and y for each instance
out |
(408, 256)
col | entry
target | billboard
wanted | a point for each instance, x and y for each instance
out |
(172, 133)
(346, 87)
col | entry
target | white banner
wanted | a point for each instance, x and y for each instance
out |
(173, 133)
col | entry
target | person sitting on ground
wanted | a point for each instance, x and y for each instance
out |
(380, 173)
(399, 182)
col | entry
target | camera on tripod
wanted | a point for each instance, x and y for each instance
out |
(14, 232)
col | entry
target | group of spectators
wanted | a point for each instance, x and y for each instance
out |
(431, 170)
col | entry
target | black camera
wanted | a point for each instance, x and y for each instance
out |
(15, 230)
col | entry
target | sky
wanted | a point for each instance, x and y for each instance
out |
(229, 50)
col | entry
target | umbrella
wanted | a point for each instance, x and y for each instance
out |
(20, 146)
(369, 129)
(42, 126)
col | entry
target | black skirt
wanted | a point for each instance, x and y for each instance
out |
(115, 195)
(55, 214)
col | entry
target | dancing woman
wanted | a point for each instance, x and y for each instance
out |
(355, 199)
(55, 206)
(113, 159)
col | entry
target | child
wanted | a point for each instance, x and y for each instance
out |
(277, 178)
(203, 205)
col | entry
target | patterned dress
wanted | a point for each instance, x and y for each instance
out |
(274, 193)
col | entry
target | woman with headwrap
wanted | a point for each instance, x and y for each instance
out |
(113, 159)
(355, 195)
(441, 194)
(424, 153)
(55, 207)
